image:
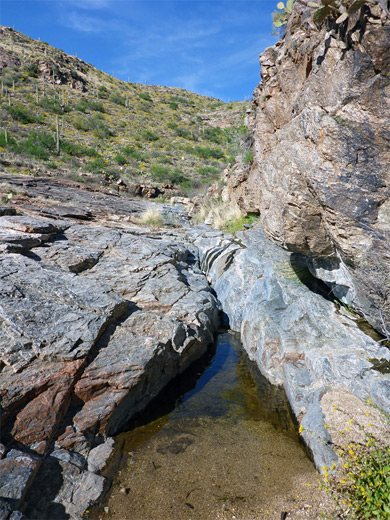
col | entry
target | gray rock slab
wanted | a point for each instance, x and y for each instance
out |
(102, 314)
(87, 491)
(298, 338)
(70, 457)
(51, 313)
(68, 256)
(17, 471)
(29, 224)
(99, 456)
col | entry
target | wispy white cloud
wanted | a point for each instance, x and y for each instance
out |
(204, 49)
(89, 4)
(91, 24)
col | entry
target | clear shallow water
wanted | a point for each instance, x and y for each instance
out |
(218, 443)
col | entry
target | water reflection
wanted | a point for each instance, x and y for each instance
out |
(217, 439)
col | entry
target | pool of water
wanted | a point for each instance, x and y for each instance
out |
(219, 442)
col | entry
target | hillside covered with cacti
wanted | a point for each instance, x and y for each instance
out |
(60, 116)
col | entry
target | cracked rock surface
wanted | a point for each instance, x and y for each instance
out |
(97, 314)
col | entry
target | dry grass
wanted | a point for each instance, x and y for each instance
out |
(152, 218)
(218, 214)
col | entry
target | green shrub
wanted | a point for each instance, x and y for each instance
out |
(185, 133)
(10, 78)
(52, 164)
(209, 171)
(38, 144)
(173, 105)
(96, 165)
(177, 177)
(75, 75)
(19, 113)
(31, 70)
(81, 123)
(180, 99)
(99, 128)
(102, 132)
(148, 135)
(11, 140)
(96, 106)
(215, 135)
(90, 105)
(102, 92)
(248, 157)
(121, 159)
(77, 150)
(118, 99)
(145, 96)
(131, 152)
(208, 153)
(53, 104)
(164, 160)
(160, 172)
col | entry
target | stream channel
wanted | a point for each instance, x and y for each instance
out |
(218, 443)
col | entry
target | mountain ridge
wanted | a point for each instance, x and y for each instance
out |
(108, 129)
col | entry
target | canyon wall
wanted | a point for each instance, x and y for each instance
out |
(321, 151)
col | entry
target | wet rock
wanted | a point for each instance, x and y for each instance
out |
(297, 336)
(5, 509)
(17, 515)
(70, 457)
(89, 489)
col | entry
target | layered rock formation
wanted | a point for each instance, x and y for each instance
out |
(97, 314)
(296, 336)
(320, 176)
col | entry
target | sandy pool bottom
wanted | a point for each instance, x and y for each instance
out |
(216, 456)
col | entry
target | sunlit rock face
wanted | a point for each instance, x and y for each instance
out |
(321, 151)
(295, 334)
(97, 315)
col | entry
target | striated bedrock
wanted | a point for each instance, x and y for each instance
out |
(96, 317)
(298, 338)
(320, 177)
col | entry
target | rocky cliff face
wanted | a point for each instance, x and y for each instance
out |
(320, 177)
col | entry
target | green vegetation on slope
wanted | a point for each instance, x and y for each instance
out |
(108, 129)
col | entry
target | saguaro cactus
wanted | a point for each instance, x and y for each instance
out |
(57, 136)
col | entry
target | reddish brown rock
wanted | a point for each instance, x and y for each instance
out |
(40, 418)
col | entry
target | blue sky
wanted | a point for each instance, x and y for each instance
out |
(209, 47)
